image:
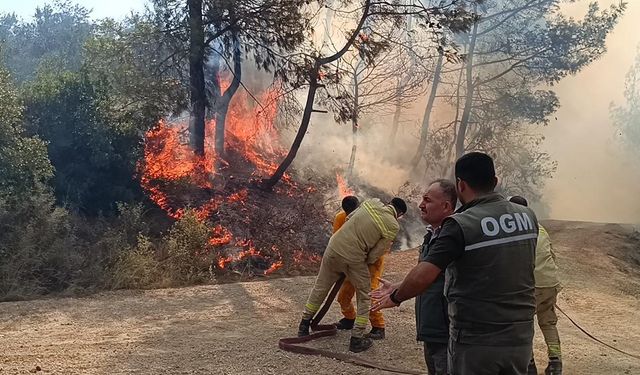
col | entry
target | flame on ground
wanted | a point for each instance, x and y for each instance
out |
(220, 236)
(170, 162)
(251, 254)
(240, 196)
(166, 158)
(343, 188)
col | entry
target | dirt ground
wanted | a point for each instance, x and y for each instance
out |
(234, 328)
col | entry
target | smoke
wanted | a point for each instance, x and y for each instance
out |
(381, 160)
(327, 149)
(382, 167)
(597, 178)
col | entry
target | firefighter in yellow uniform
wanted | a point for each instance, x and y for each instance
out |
(347, 291)
(361, 241)
(547, 289)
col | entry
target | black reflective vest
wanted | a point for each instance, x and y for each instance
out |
(490, 288)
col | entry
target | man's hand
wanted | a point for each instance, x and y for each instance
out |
(383, 303)
(385, 289)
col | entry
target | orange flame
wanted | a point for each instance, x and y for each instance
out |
(221, 236)
(274, 267)
(343, 188)
(168, 159)
(251, 132)
(240, 196)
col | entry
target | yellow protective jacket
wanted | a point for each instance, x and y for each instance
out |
(367, 233)
(546, 271)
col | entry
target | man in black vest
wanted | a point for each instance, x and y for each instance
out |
(432, 320)
(487, 248)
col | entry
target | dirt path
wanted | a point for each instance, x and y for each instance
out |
(233, 328)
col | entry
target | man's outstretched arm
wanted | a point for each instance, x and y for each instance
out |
(416, 281)
(446, 248)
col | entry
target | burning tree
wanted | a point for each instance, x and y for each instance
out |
(216, 37)
(245, 234)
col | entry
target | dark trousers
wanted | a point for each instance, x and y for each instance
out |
(435, 355)
(465, 359)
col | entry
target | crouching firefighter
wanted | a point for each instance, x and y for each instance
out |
(347, 291)
(361, 241)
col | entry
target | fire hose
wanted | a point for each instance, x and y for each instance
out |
(292, 344)
(592, 337)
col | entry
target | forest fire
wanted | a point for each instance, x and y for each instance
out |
(177, 179)
(251, 132)
(166, 158)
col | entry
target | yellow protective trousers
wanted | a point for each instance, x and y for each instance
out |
(347, 292)
(331, 267)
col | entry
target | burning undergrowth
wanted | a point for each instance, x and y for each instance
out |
(242, 230)
(250, 232)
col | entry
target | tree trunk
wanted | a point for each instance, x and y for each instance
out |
(468, 102)
(354, 121)
(448, 162)
(196, 77)
(306, 118)
(220, 118)
(308, 108)
(222, 107)
(395, 125)
(424, 132)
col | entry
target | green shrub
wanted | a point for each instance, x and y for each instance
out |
(137, 268)
(186, 247)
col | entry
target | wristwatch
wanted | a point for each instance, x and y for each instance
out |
(393, 298)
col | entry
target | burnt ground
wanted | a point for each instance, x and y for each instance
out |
(233, 328)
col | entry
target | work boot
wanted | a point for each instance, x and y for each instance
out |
(303, 328)
(532, 369)
(345, 324)
(360, 344)
(376, 333)
(554, 367)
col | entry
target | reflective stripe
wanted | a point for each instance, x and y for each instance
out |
(362, 320)
(386, 233)
(501, 241)
(554, 350)
(541, 230)
(312, 307)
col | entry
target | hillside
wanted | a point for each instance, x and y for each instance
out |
(234, 328)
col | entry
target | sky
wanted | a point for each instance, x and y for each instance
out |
(101, 8)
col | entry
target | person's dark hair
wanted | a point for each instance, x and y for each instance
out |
(519, 200)
(477, 170)
(350, 203)
(400, 205)
(449, 190)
